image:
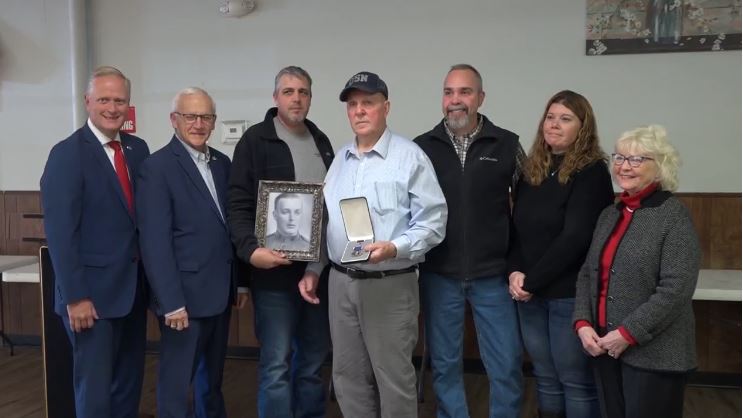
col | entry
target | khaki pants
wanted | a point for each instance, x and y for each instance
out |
(374, 328)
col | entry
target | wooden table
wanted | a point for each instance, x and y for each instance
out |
(24, 274)
(722, 285)
(8, 262)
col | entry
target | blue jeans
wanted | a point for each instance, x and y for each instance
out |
(565, 383)
(295, 339)
(496, 324)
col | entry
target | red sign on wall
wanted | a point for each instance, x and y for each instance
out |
(130, 124)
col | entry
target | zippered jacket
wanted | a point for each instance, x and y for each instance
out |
(478, 197)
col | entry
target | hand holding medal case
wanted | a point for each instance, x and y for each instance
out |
(359, 230)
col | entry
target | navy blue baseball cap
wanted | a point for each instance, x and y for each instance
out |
(364, 81)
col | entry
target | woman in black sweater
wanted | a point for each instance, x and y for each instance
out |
(564, 187)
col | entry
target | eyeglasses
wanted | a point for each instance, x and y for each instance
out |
(191, 117)
(633, 160)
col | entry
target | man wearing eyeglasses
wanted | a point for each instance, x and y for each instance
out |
(285, 146)
(188, 257)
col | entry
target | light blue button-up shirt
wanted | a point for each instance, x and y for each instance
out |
(201, 160)
(405, 201)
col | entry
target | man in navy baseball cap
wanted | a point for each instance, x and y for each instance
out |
(365, 81)
(373, 305)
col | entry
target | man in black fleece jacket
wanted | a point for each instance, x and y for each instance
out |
(285, 146)
(477, 164)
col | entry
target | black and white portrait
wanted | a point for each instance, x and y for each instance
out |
(289, 217)
(289, 226)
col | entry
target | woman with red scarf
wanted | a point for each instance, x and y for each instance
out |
(633, 307)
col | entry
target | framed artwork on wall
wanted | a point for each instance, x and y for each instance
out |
(647, 26)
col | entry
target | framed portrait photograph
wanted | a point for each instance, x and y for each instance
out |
(289, 218)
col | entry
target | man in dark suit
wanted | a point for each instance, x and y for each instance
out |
(188, 256)
(89, 218)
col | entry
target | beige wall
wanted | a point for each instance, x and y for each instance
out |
(525, 49)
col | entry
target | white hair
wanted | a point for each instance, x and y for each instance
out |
(652, 139)
(188, 91)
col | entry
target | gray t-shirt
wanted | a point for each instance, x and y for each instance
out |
(308, 168)
(308, 164)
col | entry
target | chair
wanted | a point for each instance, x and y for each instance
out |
(56, 349)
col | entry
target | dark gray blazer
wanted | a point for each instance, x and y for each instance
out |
(651, 284)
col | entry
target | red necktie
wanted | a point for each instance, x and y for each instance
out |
(122, 173)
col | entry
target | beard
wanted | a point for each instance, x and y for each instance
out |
(457, 122)
(296, 118)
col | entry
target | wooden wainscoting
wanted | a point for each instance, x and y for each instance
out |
(717, 217)
(242, 333)
(718, 333)
(24, 226)
(23, 234)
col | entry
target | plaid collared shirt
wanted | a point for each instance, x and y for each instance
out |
(462, 143)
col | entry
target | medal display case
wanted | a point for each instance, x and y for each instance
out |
(359, 230)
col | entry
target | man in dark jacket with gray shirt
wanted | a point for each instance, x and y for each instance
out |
(285, 146)
(477, 164)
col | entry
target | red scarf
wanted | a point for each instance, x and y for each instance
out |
(631, 203)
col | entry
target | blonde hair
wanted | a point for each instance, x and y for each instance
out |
(652, 139)
(105, 71)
